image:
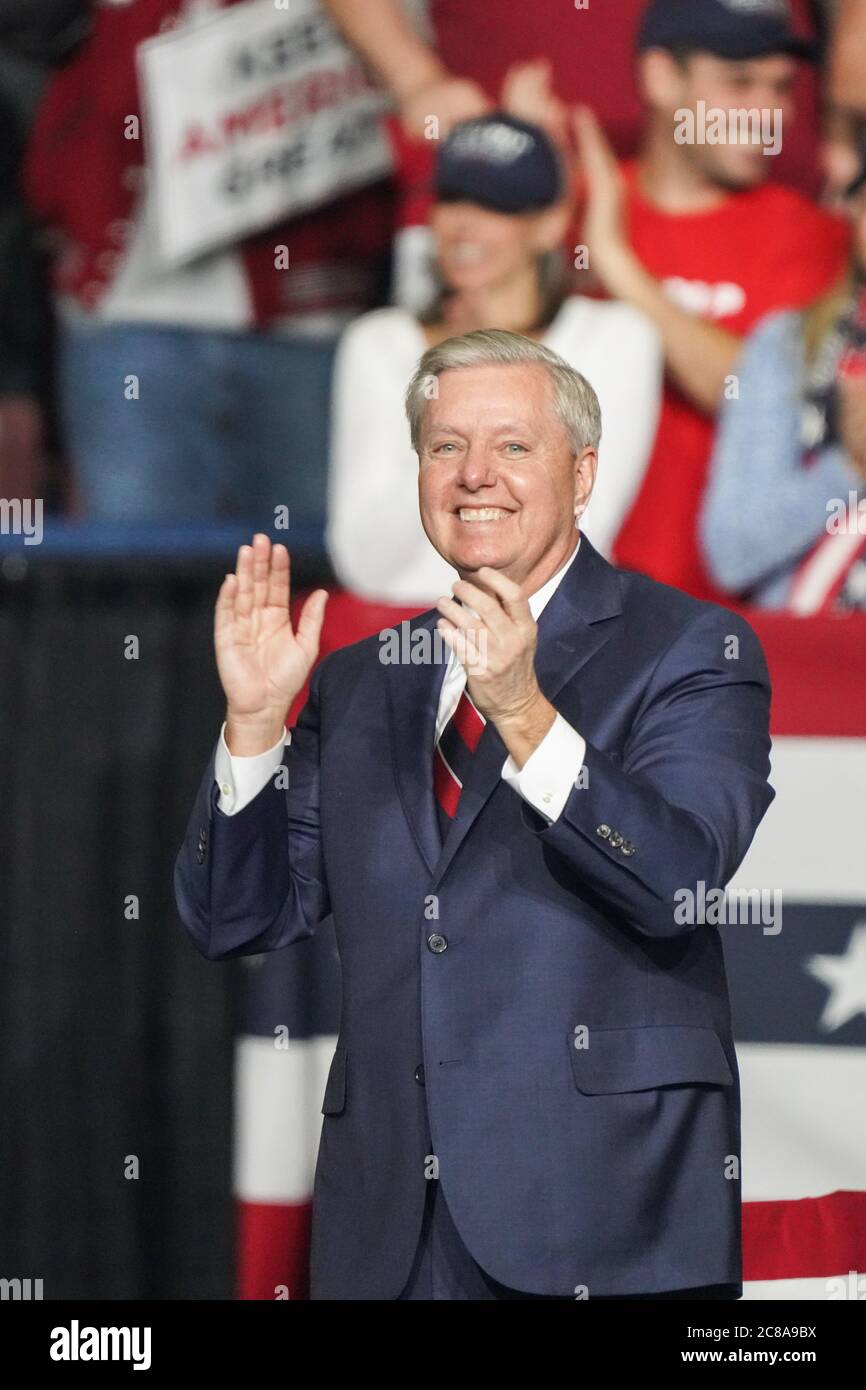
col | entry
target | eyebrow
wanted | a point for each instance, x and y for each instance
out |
(445, 429)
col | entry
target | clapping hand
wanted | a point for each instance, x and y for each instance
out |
(527, 93)
(604, 226)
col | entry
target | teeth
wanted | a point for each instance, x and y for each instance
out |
(482, 513)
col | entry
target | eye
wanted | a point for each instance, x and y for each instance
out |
(440, 448)
(513, 445)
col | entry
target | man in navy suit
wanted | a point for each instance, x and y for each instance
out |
(534, 1092)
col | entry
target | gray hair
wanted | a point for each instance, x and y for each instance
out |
(575, 400)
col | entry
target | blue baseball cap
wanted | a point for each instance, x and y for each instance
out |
(499, 162)
(734, 29)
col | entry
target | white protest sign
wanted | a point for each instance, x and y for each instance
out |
(253, 114)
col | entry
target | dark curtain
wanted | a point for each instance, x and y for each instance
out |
(115, 1035)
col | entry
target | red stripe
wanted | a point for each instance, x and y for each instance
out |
(445, 787)
(468, 722)
(470, 726)
(272, 1249)
(813, 1238)
(818, 670)
(805, 1239)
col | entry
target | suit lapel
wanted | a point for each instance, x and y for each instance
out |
(571, 632)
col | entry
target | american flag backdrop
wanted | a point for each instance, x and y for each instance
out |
(798, 997)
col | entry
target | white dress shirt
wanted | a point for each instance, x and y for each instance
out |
(545, 781)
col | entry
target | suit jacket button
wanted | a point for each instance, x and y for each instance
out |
(437, 943)
(603, 831)
(627, 847)
(199, 855)
(419, 1074)
(616, 839)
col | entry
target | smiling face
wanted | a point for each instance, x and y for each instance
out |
(479, 249)
(763, 84)
(498, 481)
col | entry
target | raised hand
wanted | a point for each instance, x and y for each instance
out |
(448, 99)
(496, 647)
(527, 92)
(497, 650)
(262, 662)
(604, 225)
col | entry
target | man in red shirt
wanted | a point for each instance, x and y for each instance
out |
(692, 233)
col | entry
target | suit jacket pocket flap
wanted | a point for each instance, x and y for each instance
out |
(335, 1090)
(610, 1060)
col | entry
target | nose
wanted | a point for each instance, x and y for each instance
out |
(476, 469)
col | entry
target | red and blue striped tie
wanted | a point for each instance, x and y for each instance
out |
(452, 758)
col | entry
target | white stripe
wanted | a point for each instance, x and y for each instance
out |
(832, 1289)
(821, 570)
(804, 1123)
(278, 1099)
(451, 771)
(809, 844)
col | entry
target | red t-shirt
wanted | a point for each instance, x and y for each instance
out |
(763, 250)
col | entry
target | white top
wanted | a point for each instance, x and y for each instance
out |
(375, 538)
(545, 781)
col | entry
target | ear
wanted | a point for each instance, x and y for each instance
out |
(585, 469)
(661, 80)
(550, 227)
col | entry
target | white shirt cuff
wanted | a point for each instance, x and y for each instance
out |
(549, 775)
(241, 779)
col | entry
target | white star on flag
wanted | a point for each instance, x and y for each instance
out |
(845, 977)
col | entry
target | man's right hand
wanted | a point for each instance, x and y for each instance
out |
(262, 663)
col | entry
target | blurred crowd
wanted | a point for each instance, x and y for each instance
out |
(669, 193)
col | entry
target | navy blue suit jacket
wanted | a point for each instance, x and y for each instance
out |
(581, 1089)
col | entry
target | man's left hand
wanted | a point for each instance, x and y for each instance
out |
(497, 650)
